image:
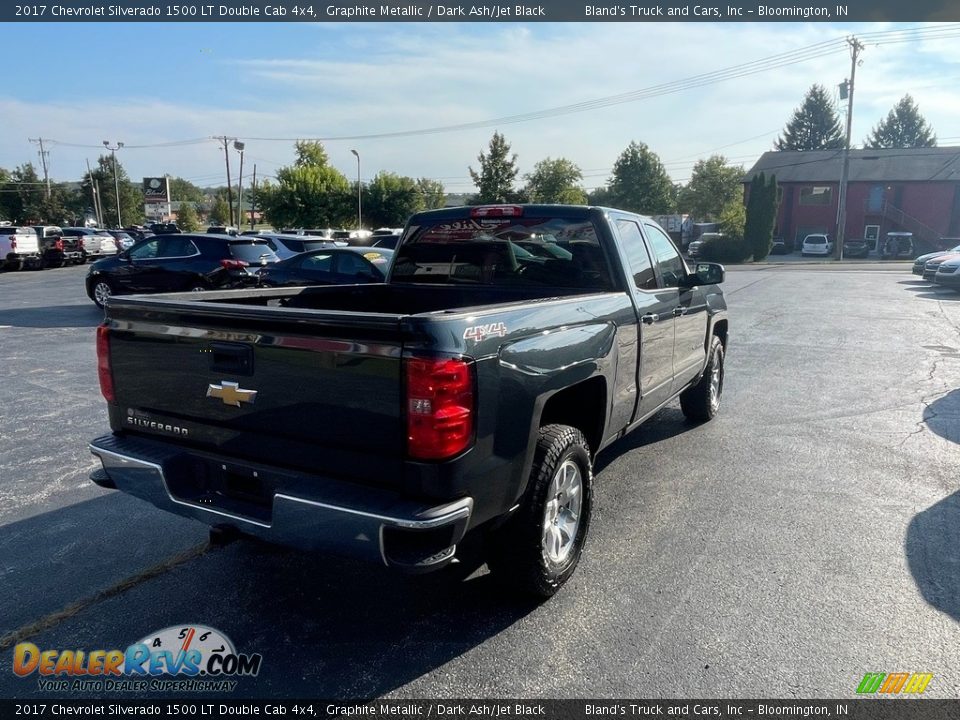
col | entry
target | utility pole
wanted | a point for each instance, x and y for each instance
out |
(226, 157)
(43, 161)
(238, 146)
(253, 196)
(116, 182)
(855, 48)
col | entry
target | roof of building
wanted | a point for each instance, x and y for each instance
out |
(901, 165)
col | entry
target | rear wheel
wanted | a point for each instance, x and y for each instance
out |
(101, 291)
(539, 547)
(702, 401)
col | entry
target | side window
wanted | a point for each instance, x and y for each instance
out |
(671, 266)
(318, 263)
(146, 250)
(350, 264)
(637, 257)
(175, 247)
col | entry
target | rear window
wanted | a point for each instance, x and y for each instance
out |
(253, 252)
(817, 240)
(505, 251)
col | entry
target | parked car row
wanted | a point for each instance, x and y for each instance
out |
(39, 246)
(181, 262)
(940, 267)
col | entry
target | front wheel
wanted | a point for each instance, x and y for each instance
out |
(101, 291)
(702, 401)
(538, 549)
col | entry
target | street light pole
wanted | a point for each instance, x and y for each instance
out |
(359, 194)
(116, 182)
(238, 146)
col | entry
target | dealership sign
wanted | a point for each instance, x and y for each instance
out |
(156, 190)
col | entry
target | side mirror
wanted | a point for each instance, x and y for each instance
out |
(706, 273)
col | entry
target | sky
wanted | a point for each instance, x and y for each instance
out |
(266, 84)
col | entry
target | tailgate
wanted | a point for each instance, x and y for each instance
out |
(301, 389)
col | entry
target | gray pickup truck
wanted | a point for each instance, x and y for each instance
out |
(468, 394)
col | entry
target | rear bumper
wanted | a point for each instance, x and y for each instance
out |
(309, 512)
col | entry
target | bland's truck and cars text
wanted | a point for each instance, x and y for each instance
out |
(467, 395)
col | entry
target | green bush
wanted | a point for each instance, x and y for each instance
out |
(725, 249)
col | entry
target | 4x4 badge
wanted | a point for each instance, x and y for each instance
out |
(231, 393)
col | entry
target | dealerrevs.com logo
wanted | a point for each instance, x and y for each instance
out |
(179, 658)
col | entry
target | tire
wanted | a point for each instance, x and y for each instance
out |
(538, 548)
(702, 401)
(15, 265)
(101, 290)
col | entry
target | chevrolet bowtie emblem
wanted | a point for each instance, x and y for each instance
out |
(231, 393)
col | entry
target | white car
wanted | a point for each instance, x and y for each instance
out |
(817, 244)
(19, 248)
(95, 243)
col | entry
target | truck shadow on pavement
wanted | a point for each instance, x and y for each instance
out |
(933, 537)
(109, 571)
(668, 423)
(943, 416)
(53, 316)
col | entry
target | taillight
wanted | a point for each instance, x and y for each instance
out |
(440, 406)
(79, 243)
(13, 242)
(59, 244)
(496, 211)
(233, 264)
(103, 363)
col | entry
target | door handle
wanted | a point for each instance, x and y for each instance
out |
(650, 318)
(679, 310)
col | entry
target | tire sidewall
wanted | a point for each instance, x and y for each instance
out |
(716, 355)
(93, 290)
(555, 574)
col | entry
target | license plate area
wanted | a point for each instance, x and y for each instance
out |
(228, 487)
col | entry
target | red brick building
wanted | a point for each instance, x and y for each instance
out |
(915, 190)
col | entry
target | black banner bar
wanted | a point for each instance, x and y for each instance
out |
(203, 707)
(484, 11)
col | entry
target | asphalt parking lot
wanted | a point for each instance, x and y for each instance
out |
(809, 534)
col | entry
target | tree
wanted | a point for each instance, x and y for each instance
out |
(309, 193)
(761, 215)
(814, 125)
(181, 189)
(904, 127)
(24, 199)
(131, 195)
(498, 170)
(713, 186)
(640, 182)
(219, 212)
(187, 217)
(390, 199)
(432, 193)
(730, 246)
(600, 196)
(556, 181)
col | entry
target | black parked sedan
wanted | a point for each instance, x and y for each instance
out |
(331, 266)
(176, 263)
